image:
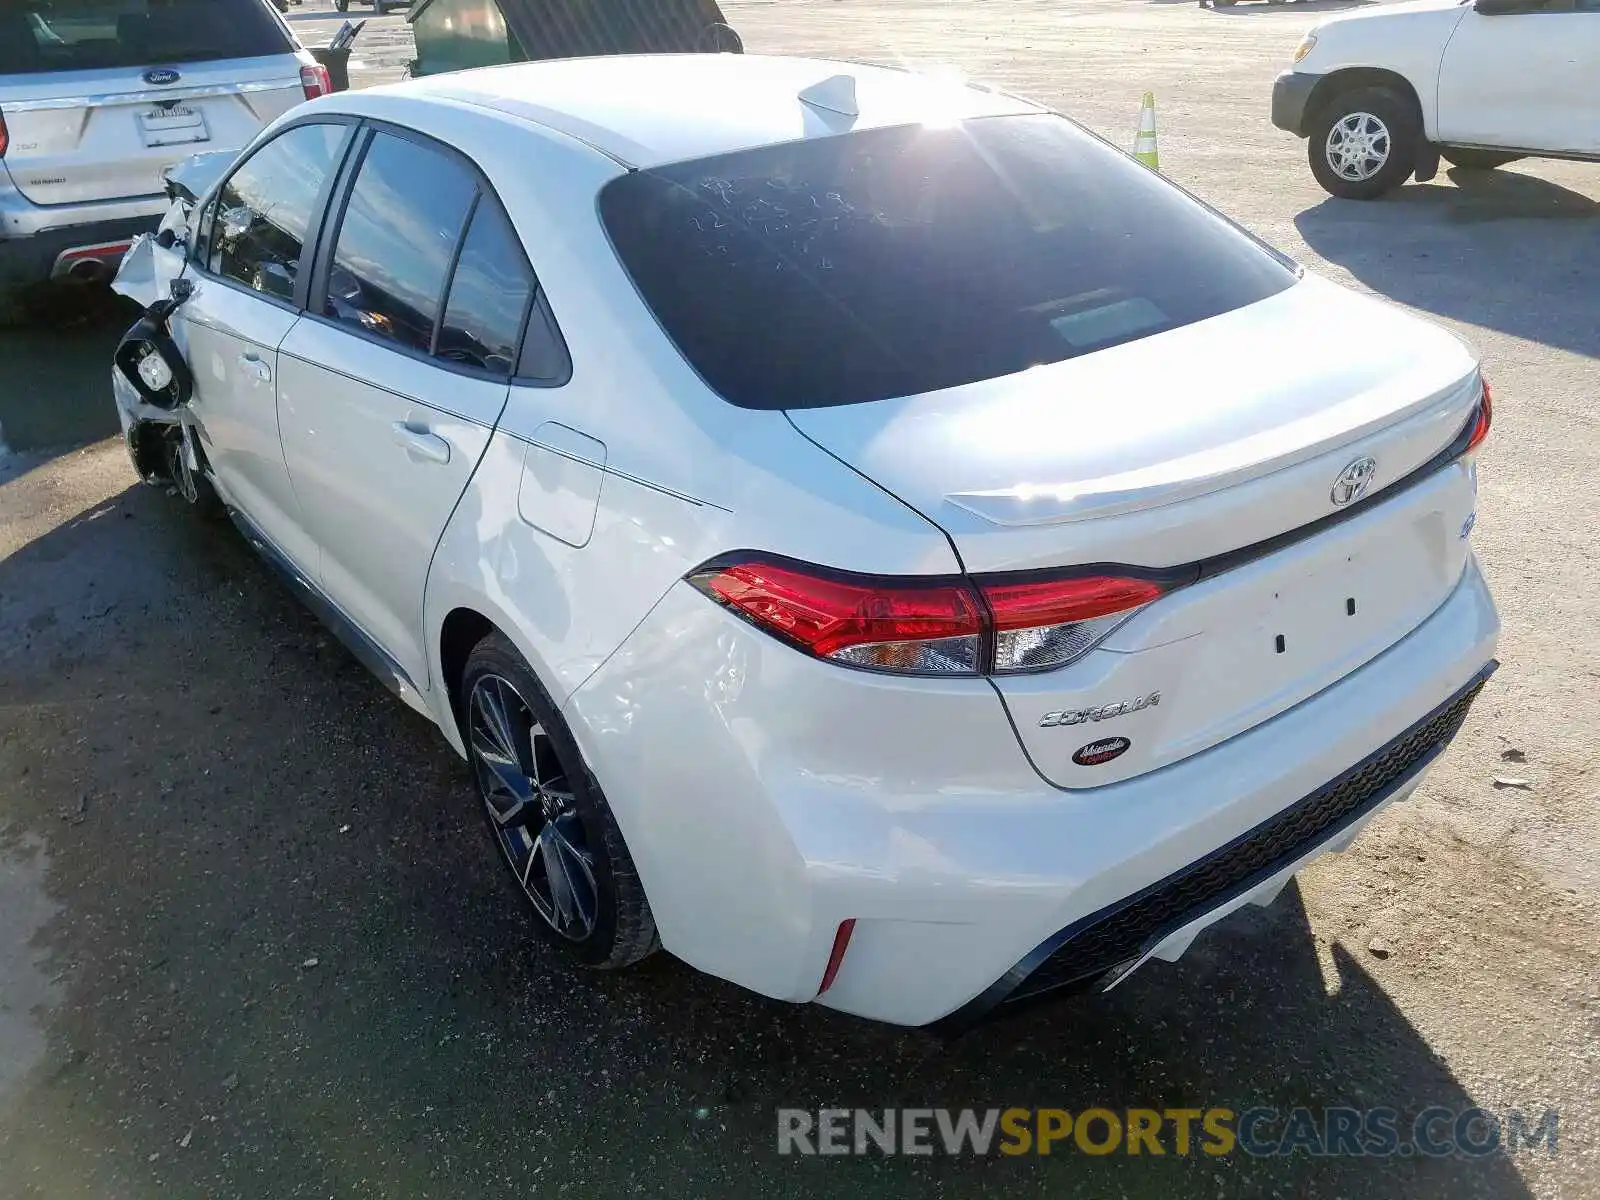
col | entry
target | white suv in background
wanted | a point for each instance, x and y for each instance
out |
(99, 97)
(1382, 93)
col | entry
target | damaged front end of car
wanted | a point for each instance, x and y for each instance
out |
(151, 380)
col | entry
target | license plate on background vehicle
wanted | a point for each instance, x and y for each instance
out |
(173, 126)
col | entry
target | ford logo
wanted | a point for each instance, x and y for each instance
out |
(161, 77)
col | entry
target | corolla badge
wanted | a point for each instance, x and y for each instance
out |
(1101, 712)
(1353, 481)
(161, 76)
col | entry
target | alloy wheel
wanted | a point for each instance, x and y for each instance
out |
(532, 807)
(1357, 146)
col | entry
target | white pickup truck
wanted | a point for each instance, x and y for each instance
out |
(1381, 93)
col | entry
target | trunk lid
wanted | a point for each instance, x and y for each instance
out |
(1181, 449)
(83, 136)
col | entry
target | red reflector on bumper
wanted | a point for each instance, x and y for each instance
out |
(841, 943)
(108, 250)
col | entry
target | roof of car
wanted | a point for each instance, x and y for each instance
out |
(647, 110)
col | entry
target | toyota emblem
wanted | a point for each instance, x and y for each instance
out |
(1353, 481)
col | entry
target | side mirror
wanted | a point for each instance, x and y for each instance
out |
(1504, 8)
(151, 362)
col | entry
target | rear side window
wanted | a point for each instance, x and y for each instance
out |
(82, 35)
(489, 295)
(255, 231)
(892, 262)
(397, 241)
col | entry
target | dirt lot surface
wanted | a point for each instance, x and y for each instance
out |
(251, 943)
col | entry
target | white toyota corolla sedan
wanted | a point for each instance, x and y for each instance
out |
(867, 535)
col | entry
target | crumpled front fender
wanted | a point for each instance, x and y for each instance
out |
(136, 277)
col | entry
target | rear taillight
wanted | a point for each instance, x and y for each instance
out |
(1481, 420)
(5, 135)
(315, 81)
(937, 627)
(921, 629)
(1043, 624)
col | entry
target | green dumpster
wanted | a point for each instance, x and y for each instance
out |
(454, 35)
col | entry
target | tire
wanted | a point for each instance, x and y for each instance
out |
(1386, 121)
(581, 844)
(1223, 3)
(380, 8)
(1477, 160)
(341, 5)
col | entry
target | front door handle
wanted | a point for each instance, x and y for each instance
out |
(420, 444)
(255, 368)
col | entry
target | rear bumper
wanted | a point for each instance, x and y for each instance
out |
(1161, 920)
(767, 797)
(34, 238)
(1291, 97)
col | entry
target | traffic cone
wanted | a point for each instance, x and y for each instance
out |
(1144, 145)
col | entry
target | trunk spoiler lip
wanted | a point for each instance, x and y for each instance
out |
(1171, 577)
(1096, 499)
(1452, 453)
(1208, 568)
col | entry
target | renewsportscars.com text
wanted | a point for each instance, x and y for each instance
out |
(1433, 1132)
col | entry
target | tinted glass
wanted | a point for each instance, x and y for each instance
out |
(489, 295)
(79, 35)
(394, 247)
(898, 261)
(264, 211)
(544, 350)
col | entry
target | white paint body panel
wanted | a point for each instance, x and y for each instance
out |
(765, 795)
(231, 338)
(372, 505)
(1524, 81)
(646, 110)
(562, 474)
(1085, 460)
(908, 808)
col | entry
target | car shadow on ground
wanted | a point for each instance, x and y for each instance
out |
(56, 368)
(293, 965)
(1427, 246)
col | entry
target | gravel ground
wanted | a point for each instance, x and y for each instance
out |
(251, 943)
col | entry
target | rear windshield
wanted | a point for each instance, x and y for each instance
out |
(79, 35)
(897, 261)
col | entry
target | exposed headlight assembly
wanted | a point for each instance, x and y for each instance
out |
(152, 363)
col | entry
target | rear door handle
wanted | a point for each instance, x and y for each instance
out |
(420, 444)
(254, 367)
